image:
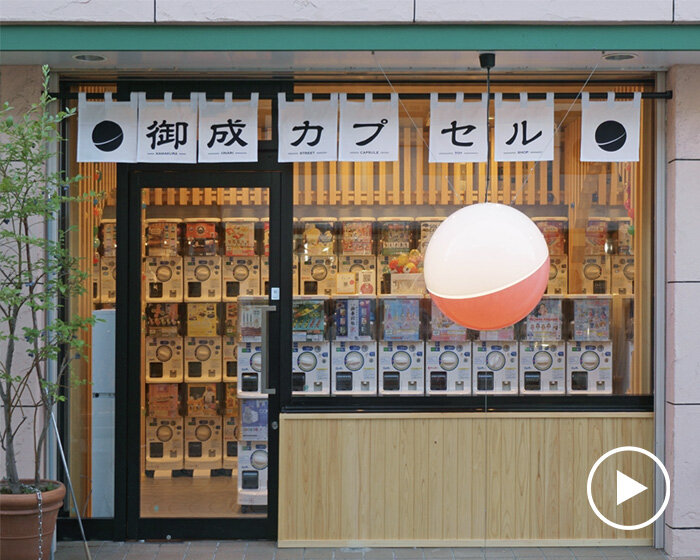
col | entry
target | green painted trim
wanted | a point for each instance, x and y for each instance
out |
(349, 37)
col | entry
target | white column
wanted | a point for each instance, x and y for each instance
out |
(683, 312)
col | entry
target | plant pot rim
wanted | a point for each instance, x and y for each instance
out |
(51, 495)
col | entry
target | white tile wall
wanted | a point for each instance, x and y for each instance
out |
(354, 11)
(683, 310)
(74, 11)
(299, 11)
(549, 11)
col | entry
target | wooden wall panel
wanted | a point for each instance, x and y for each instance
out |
(454, 479)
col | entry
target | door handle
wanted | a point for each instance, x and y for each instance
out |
(265, 310)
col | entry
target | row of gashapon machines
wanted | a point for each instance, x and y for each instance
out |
(210, 259)
(203, 428)
(362, 255)
(192, 260)
(203, 414)
(196, 372)
(404, 345)
(607, 266)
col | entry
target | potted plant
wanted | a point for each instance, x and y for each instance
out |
(37, 275)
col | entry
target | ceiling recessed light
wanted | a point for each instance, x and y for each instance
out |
(618, 56)
(89, 57)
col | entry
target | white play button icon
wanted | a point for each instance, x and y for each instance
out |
(627, 488)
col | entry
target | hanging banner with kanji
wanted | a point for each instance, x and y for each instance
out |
(610, 129)
(167, 130)
(524, 129)
(458, 130)
(308, 130)
(228, 131)
(107, 129)
(369, 130)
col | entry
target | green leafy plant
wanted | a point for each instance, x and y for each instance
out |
(38, 275)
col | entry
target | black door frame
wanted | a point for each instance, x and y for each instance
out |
(131, 179)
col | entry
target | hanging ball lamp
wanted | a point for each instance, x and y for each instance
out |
(487, 266)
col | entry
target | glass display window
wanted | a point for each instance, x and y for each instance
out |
(377, 219)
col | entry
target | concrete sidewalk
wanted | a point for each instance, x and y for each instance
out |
(263, 550)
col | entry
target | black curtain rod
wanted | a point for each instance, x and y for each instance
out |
(357, 96)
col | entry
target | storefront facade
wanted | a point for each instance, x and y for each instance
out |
(387, 425)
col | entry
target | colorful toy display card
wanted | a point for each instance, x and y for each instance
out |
(239, 238)
(596, 236)
(395, 237)
(545, 321)
(231, 319)
(427, 229)
(162, 238)
(357, 238)
(163, 400)
(163, 319)
(591, 319)
(254, 419)
(249, 321)
(109, 238)
(202, 319)
(202, 238)
(554, 232)
(508, 333)
(202, 399)
(401, 319)
(354, 319)
(231, 402)
(318, 238)
(444, 328)
(308, 320)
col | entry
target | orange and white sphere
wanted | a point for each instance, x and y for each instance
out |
(487, 266)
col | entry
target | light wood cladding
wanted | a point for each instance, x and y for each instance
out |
(100, 178)
(453, 478)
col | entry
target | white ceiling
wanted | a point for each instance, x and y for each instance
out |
(318, 62)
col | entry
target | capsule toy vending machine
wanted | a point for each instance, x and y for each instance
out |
(495, 363)
(595, 265)
(162, 267)
(543, 351)
(163, 343)
(203, 444)
(252, 473)
(554, 230)
(622, 262)
(229, 342)
(311, 353)
(241, 263)
(354, 347)
(202, 266)
(399, 264)
(249, 348)
(252, 453)
(231, 431)
(164, 430)
(589, 354)
(318, 263)
(108, 262)
(401, 348)
(357, 266)
(202, 359)
(448, 356)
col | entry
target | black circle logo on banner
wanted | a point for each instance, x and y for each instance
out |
(107, 136)
(610, 136)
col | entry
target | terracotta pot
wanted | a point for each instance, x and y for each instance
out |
(19, 523)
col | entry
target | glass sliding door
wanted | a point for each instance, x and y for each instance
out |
(204, 401)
